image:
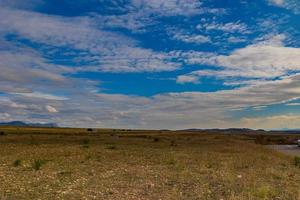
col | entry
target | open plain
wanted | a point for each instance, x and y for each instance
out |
(38, 163)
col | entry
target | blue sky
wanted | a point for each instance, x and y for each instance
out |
(150, 63)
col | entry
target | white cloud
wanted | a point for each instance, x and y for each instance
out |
(170, 110)
(259, 108)
(16, 105)
(169, 7)
(102, 50)
(232, 39)
(51, 109)
(264, 61)
(187, 79)
(276, 61)
(26, 66)
(278, 2)
(290, 121)
(42, 96)
(191, 38)
(292, 104)
(230, 27)
(276, 40)
(78, 33)
(141, 14)
(5, 117)
(293, 5)
(135, 59)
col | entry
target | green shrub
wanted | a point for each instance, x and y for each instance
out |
(86, 141)
(37, 164)
(17, 163)
(111, 147)
(173, 143)
(297, 161)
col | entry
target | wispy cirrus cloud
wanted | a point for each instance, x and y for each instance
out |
(169, 7)
(230, 27)
(189, 38)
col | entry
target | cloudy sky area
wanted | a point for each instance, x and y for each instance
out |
(151, 64)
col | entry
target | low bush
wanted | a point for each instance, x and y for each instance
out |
(111, 147)
(86, 141)
(173, 143)
(17, 163)
(297, 161)
(37, 164)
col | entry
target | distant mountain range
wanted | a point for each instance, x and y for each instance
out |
(23, 124)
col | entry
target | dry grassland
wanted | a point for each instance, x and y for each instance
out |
(114, 164)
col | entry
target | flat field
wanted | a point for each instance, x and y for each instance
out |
(106, 164)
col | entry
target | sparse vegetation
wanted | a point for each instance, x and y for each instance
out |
(37, 164)
(85, 141)
(17, 163)
(173, 143)
(202, 166)
(297, 161)
(112, 147)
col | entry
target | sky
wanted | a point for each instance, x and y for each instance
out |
(151, 64)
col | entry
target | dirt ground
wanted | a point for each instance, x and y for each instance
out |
(74, 164)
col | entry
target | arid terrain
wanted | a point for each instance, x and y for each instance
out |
(56, 163)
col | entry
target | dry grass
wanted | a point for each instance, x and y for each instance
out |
(142, 165)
